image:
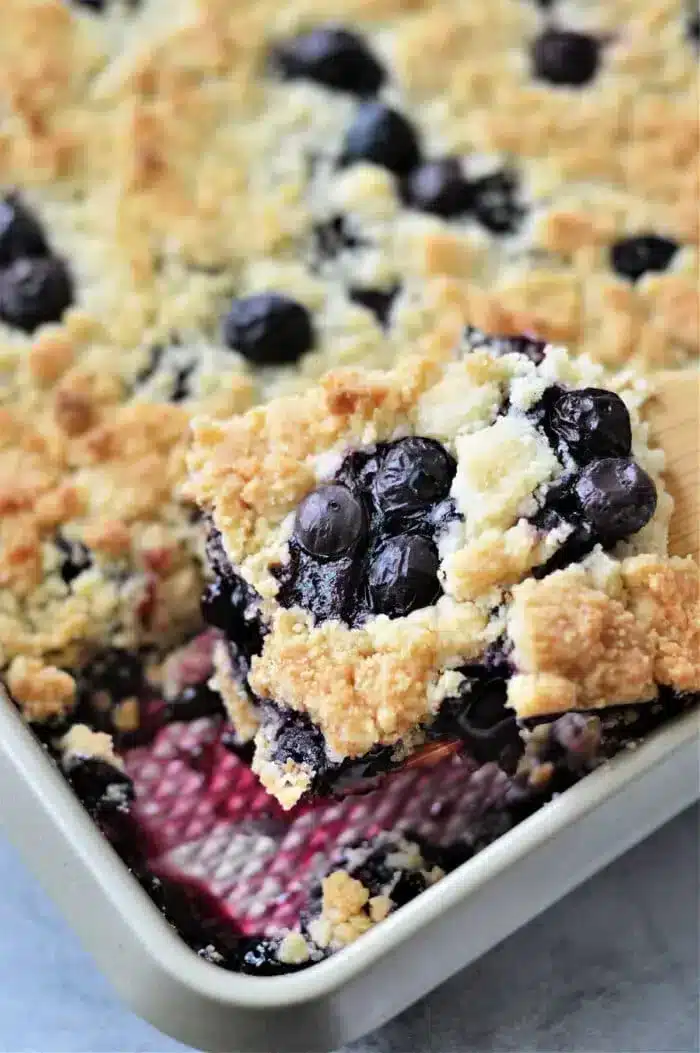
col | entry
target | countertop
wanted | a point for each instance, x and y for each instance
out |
(612, 967)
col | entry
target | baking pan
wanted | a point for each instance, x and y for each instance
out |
(395, 964)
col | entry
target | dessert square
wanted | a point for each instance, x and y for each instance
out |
(451, 550)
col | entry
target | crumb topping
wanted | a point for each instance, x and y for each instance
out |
(81, 741)
(576, 647)
(40, 691)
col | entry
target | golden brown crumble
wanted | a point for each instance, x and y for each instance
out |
(40, 691)
(82, 741)
(576, 647)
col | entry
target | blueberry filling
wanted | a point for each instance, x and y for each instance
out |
(21, 234)
(633, 257)
(366, 542)
(35, 291)
(102, 788)
(110, 691)
(378, 301)
(495, 204)
(381, 136)
(194, 702)
(565, 57)
(331, 56)
(268, 329)
(230, 605)
(439, 187)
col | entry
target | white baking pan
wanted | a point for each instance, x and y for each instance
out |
(387, 969)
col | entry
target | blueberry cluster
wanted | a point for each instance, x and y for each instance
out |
(364, 543)
(603, 496)
(36, 286)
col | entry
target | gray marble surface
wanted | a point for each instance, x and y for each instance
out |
(614, 967)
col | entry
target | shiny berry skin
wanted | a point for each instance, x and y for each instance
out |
(592, 423)
(438, 187)
(331, 56)
(35, 291)
(616, 497)
(329, 521)
(633, 257)
(20, 232)
(494, 202)
(378, 301)
(565, 57)
(415, 473)
(268, 329)
(402, 576)
(382, 136)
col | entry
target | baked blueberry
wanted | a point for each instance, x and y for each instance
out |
(633, 257)
(494, 202)
(382, 136)
(415, 473)
(616, 496)
(331, 56)
(403, 575)
(113, 677)
(329, 521)
(34, 291)
(438, 187)
(378, 301)
(332, 237)
(506, 345)
(21, 234)
(268, 329)
(75, 557)
(592, 422)
(693, 30)
(565, 57)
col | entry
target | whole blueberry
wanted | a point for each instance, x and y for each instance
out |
(268, 329)
(438, 187)
(403, 575)
(592, 422)
(382, 136)
(494, 202)
(633, 257)
(617, 497)
(34, 291)
(415, 472)
(565, 57)
(20, 232)
(331, 56)
(329, 521)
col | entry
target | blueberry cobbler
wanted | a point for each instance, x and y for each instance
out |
(452, 551)
(204, 209)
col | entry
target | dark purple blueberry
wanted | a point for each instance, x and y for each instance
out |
(331, 56)
(193, 702)
(378, 301)
(438, 187)
(259, 958)
(693, 30)
(616, 496)
(268, 329)
(495, 202)
(101, 788)
(415, 473)
(34, 292)
(21, 234)
(296, 738)
(402, 575)
(592, 422)
(231, 605)
(565, 57)
(75, 557)
(505, 345)
(329, 521)
(93, 5)
(633, 257)
(409, 885)
(332, 237)
(382, 136)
